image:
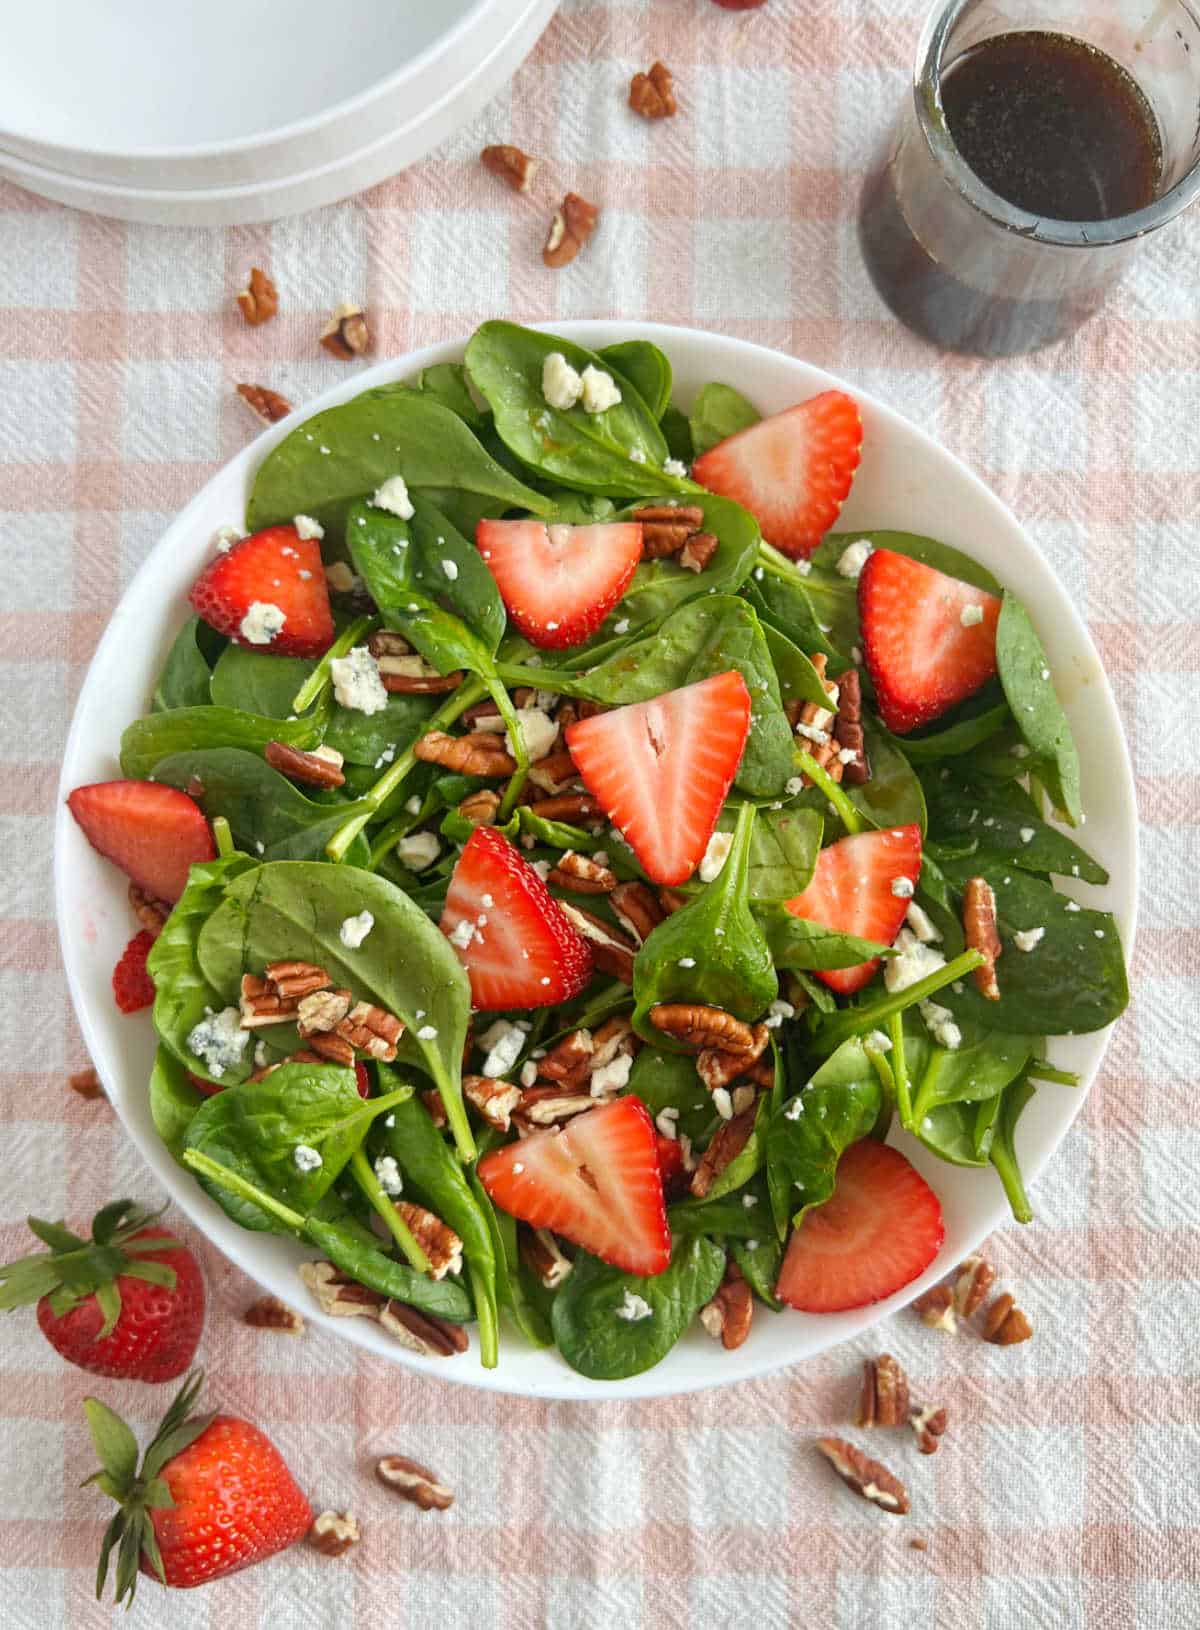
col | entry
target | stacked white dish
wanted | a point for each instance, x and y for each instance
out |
(226, 114)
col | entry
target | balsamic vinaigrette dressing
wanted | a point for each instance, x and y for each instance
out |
(1054, 126)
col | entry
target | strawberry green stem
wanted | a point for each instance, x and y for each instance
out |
(367, 1181)
(856, 1021)
(846, 812)
(317, 681)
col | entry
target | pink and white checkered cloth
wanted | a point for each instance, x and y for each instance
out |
(1066, 1493)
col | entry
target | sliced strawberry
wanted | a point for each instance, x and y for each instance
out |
(152, 832)
(660, 770)
(854, 891)
(559, 582)
(132, 985)
(210, 1089)
(362, 1078)
(921, 658)
(879, 1229)
(595, 1181)
(521, 951)
(791, 471)
(242, 592)
(670, 1162)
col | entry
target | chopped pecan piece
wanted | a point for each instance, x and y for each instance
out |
(437, 1239)
(865, 1476)
(848, 729)
(432, 1099)
(929, 1424)
(295, 979)
(637, 910)
(936, 1309)
(403, 671)
(728, 1317)
(262, 1005)
(569, 1060)
(572, 226)
(415, 1482)
(979, 929)
(423, 1333)
(884, 1397)
(372, 1030)
(333, 1533)
(320, 768)
(476, 754)
(653, 94)
(698, 551)
(612, 953)
(717, 1067)
(667, 527)
(151, 913)
(572, 807)
(86, 1083)
(339, 1296)
(259, 300)
(972, 1283)
(269, 1313)
(333, 1049)
(265, 403)
(728, 1141)
(581, 874)
(550, 1106)
(1004, 1324)
(510, 165)
(346, 334)
(495, 1100)
(541, 1254)
(480, 808)
(612, 1037)
(671, 901)
(323, 1011)
(554, 773)
(701, 1027)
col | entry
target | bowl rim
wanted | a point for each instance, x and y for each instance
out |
(203, 1213)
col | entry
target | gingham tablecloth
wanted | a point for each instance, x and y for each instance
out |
(1066, 1491)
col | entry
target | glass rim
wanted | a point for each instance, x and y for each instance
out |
(927, 97)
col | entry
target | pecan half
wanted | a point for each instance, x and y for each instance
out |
(333, 1533)
(929, 1424)
(295, 979)
(848, 729)
(637, 909)
(86, 1083)
(667, 527)
(728, 1317)
(265, 403)
(572, 807)
(653, 94)
(337, 1295)
(936, 1309)
(865, 1476)
(480, 808)
(717, 1067)
(403, 671)
(573, 224)
(437, 1239)
(979, 929)
(612, 1037)
(972, 1283)
(341, 1297)
(495, 1100)
(699, 1026)
(698, 551)
(261, 1004)
(415, 1482)
(423, 1333)
(150, 912)
(728, 1141)
(372, 1030)
(320, 768)
(1004, 1324)
(334, 1049)
(570, 1059)
(476, 754)
(269, 1313)
(346, 334)
(510, 165)
(884, 1397)
(612, 953)
(554, 773)
(541, 1254)
(259, 300)
(322, 1012)
(581, 874)
(550, 1106)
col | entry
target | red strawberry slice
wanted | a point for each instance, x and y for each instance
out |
(243, 592)
(670, 1161)
(879, 1229)
(559, 582)
(921, 656)
(511, 935)
(595, 1181)
(132, 985)
(853, 890)
(152, 832)
(661, 769)
(791, 471)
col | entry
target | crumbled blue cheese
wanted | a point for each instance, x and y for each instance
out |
(261, 623)
(1027, 938)
(306, 527)
(450, 567)
(600, 390)
(878, 1040)
(418, 850)
(902, 888)
(723, 1103)
(219, 1040)
(463, 932)
(939, 1021)
(812, 732)
(675, 466)
(687, 962)
(225, 537)
(920, 922)
(778, 1011)
(388, 1174)
(667, 1121)
(1073, 905)
(392, 495)
(621, 626)
(611, 1077)
(913, 963)
(356, 681)
(634, 1308)
(306, 1158)
(427, 1032)
(502, 1043)
(715, 855)
(853, 558)
(971, 616)
(1027, 834)
(793, 785)
(636, 455)
(354, 930)
(794, 1110)
(749, 1201)
(538, 731)
(562, 385)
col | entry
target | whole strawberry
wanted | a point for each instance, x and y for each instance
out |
(129, 1303)
(212, 1495)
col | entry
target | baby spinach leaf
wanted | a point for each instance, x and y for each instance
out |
(256, 682)
(678, 433)
(646, 368)
(597, 1341)
(783, 604)
(346, 1249)
(186, 675)
(295, 909)
(1029, 690)
(943, 557)
(815, 1126)
(749, 1159)
(760, 1260)
(363, 738)
(265, 811)
(893, 795)
(1003, 1152)
(783, 852)
(797, 943)
(146, 741)
(981, 1067)
(799, 681)
(255, 1129)
(1012, 833)
(345, 453)
(173, 1100)
(727, 1217)
(589, 451)
(980, 717)
(717, 412)
(711, 951)
(523, 1297)
(182, 993)
(554, 834)
(949, 1131)
(669, 1081)
(446, 382)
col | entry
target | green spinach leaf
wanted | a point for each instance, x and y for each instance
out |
(797, 943)
(364, 738)
(719, 411)
(173, 1100)
(256, 682)
(943, 557)
(147, 741)
(814, 1127)
(1029, 691)
(346, 1249)
(446, 382)
(669, 1081)
(186, 675)
(1003, 1151)
(646, 368)
(760, 1260)
(1016, 834)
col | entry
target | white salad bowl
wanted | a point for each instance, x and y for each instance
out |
(905, 482)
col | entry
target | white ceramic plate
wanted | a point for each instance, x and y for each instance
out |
(905, 481)
(411, 128)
